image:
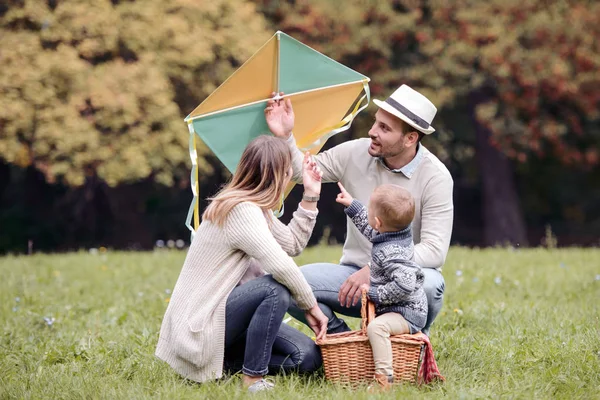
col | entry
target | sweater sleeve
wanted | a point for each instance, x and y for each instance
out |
(294, 236)
(247, 230)
(402, 283)
(359, 217)
(437, 214)
(332, 162)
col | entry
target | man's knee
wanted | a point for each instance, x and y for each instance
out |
(311, 272)
(434, 284)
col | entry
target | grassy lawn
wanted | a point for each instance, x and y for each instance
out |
(516, 324)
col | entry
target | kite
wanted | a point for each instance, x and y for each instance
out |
(324, 93)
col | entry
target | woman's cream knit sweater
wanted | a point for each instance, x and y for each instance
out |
(192, 334)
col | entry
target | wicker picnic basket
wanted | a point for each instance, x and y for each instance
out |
(347, 357)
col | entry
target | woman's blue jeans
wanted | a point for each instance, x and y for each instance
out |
(256, 340)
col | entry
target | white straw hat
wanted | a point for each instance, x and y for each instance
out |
(411, 107)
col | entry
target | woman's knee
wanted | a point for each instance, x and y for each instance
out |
(310, 359)
(281, 292)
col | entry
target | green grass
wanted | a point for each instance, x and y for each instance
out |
(516, 324)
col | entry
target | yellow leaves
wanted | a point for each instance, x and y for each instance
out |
(90, 26)
(99, 95)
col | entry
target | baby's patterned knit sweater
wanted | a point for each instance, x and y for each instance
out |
(396, 280)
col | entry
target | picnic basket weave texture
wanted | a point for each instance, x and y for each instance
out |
(347, 357)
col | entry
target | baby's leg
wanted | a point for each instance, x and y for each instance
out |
(379, 331)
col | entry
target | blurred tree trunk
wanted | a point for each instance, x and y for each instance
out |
(503, 220)
(4, 177)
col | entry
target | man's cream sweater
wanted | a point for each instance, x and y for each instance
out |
(192, 334)
(425, 177)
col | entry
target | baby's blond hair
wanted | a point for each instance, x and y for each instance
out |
(394, 206)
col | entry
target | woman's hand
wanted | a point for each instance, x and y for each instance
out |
(311, 176)
(317, 321)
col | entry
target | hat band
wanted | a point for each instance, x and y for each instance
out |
(414, 117)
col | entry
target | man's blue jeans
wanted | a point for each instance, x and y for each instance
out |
(256, 341)
(326, 279)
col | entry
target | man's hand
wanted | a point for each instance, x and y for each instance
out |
(343, 197)
(280, 116)
(350, 291)
(365, 287)
(317, 321)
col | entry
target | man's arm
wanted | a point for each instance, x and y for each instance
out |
(332, 162)
(437, 215)
(280, 118)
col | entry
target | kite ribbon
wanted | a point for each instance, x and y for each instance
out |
(194, 207)
(279, 213)
(344, 124)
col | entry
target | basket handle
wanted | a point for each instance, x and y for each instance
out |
(367, 312)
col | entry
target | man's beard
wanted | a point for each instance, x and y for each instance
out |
(380, 152)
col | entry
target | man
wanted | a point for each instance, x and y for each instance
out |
(393, 154)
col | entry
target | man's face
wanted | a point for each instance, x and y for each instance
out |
(387, 138)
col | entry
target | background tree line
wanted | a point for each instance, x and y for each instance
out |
(93, 149)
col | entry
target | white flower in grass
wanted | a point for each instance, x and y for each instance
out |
(170, 244)
(476, 279)
(93, 251)
(17, 299)
(160, 244)
(49, 320)
(459, 273)
(167, 291)
(15, 309)
(497, 280)
(598, 277)
(179, 243)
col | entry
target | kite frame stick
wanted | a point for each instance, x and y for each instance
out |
(267, 99)
(278, 34)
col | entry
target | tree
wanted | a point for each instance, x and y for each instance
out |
(525, 74)
(93, 98)
(96, 88)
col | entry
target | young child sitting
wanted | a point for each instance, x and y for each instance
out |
(396, 286)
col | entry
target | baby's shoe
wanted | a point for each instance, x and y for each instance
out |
(383, 383)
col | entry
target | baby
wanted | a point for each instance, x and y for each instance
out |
(396, 286)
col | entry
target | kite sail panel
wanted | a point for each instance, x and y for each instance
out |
(324, 93)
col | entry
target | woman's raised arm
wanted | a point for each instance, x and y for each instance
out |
(247, 230)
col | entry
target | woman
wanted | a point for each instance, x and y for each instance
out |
(210, 321)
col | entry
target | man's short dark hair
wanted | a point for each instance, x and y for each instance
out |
(406, 128)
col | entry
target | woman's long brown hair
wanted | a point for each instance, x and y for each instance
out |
(259, 178)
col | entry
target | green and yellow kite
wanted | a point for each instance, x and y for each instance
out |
(325, 95)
